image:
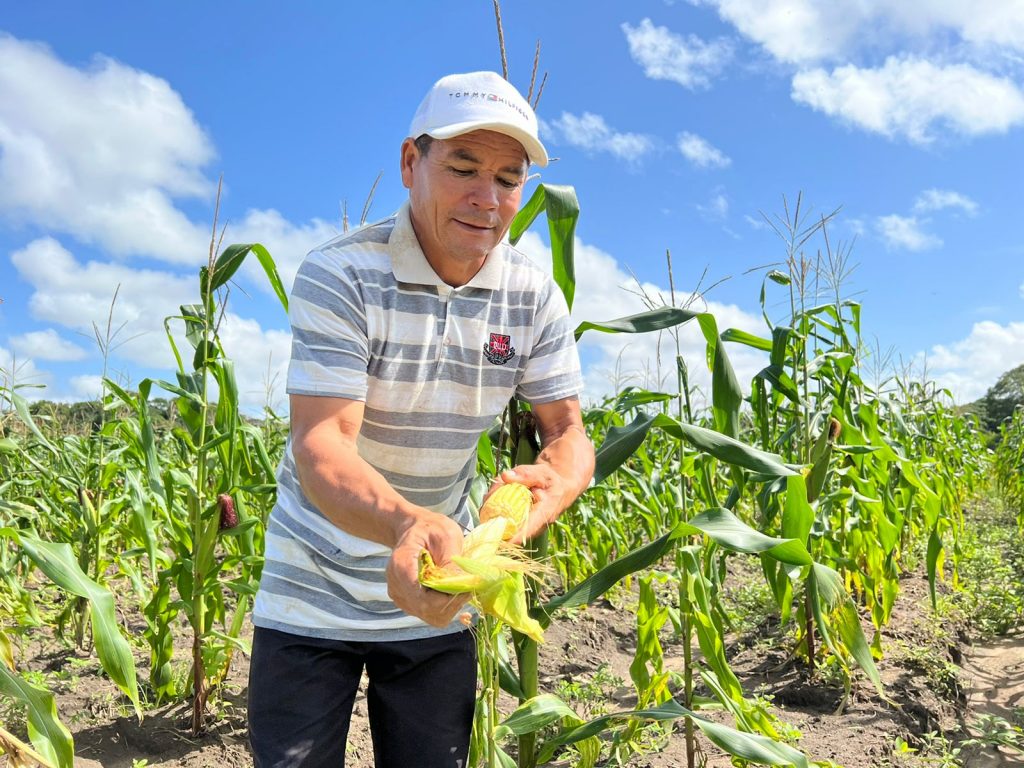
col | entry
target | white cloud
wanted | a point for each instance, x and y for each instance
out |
(910, 97)
(604, 291)
(288, 243)
(939, 199)
(589, 131)
(75, 295)
(86, 387)
(261, 361)
(701, 153)
(717, 207)
(906, 232)
(857, 226)
(792, 30)
(807, 31)
(664, 55)
(970, 366)
(47, 345)
(99, 153)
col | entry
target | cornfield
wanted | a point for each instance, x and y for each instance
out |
(824, 481)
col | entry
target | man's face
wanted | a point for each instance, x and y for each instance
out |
(463, 194)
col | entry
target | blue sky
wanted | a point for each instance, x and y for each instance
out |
(680, 124)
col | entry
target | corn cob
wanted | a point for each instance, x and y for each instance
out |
(495, 580)
(513, 502)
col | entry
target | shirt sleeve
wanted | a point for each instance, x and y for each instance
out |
(553, 369)
(329, 330)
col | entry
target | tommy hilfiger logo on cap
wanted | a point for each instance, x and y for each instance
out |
(490, 97)
(499, 349)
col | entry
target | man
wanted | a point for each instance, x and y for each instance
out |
(409, 337)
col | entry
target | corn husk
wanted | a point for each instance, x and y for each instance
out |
(493, 572)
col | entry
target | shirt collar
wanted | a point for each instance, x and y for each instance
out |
(411, 266)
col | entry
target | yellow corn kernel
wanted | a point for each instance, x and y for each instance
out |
(513, 502)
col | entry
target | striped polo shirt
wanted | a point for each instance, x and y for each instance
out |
(434, 365)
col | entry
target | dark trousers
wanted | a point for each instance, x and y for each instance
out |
(420, 699)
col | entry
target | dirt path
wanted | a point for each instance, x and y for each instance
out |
(994, 672)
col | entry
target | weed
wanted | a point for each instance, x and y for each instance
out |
(591, 696)
(992, 558)
(995, 731)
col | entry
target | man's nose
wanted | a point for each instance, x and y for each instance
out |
(484, 192)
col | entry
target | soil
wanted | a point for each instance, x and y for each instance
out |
(935, 682)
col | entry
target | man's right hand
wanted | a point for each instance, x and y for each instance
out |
(442, 537)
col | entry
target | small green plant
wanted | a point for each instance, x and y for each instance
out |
(590, 695)
(995, 731)
(943, 675)
(939, 751)
(991, 592)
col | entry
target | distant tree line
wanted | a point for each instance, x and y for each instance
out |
(1002, 398)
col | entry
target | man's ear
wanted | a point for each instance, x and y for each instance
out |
(410, 154)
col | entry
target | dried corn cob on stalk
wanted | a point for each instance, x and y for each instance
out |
(495, 579)
(513, 502)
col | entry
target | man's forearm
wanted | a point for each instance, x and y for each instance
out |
(349, 492)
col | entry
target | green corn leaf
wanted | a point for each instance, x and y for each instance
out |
(194, 317)
(21, 408)
(596, 585)
(631, 398)
(230, 259)
(829, 595)
(780, 340)
(852, 634)
(534, 714)
(749, 339)
(625, 440)
(644, 322)
(508, 678)
(227, 264)
(485, 455)
(619, 444)
(59, 564)
(47, 733)
(797, 515)
(563, 209)
(729, 531)
(934, 558)
(726, 395)
(270, 268)
(781, 382)
(206, 352)
(724, 447)
(748, 746)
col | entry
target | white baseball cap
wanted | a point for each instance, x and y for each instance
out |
(476, 101)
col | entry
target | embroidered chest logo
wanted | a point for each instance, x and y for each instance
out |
(499, 349)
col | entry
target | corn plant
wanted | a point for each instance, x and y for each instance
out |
(59, 472)
(212, 536)
(1009, 464)
(719, 524)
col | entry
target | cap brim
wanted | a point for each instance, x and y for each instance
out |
(534, 149)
